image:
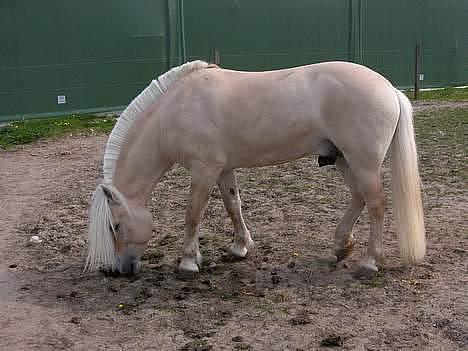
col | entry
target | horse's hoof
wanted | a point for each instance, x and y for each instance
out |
(236, 250)
(187, 271)
(240, 250)
(365, 273)
(344, 252)
(188, 265)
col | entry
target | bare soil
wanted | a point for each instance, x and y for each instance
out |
(428, 105)
(284, 296)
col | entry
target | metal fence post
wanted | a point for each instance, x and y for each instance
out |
(216, 57)
(417, 69)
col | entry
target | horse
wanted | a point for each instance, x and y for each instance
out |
(212, 121)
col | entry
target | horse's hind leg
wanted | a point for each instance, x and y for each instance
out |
(232, 202)
(203, 180)
(344, 240)
(370, 186)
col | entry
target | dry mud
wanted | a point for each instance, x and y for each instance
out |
(284, 296)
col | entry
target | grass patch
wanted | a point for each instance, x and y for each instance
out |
(24, 132)
(446, 94)
(441, 137)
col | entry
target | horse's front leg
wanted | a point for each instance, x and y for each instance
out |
(230, 194)
(203, 181)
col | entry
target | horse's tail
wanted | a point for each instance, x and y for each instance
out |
(406, 187)
(100, 236)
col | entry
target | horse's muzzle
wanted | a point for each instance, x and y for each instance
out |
(128, 264)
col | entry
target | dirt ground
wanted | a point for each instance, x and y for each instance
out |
(284, 296)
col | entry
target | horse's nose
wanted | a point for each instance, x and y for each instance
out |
(128, 264)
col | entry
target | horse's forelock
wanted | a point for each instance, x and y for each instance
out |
(101, 253)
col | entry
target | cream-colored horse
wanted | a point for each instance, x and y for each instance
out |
(212, 121)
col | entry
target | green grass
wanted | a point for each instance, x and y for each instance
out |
(23, 132)
(447, 94)
(441, 138)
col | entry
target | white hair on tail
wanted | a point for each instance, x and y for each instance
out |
(101, 250)
(406, 187)
(147, 97)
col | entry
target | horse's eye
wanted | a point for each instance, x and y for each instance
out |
(115, 228)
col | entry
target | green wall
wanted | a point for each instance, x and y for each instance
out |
(262, 34)
(267, 34)
(392, 28)
(97, 53)
(101, 53)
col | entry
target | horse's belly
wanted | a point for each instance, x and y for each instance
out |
(264, 152)
(268, 160)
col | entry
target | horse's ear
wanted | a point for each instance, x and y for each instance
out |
(110, 194)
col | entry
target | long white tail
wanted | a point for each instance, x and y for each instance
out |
(406, 187)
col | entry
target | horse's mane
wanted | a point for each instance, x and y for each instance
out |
(147, 97)
(100, 232)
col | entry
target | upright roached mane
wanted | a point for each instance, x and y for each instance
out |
(146, 98)
(100, 231)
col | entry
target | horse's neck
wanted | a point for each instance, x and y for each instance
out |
(140, 164)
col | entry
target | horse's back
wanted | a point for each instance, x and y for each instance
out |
(257, 118)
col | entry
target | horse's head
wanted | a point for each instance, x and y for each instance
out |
(119, 231)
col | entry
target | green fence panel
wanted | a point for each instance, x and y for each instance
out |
(445, 43)
(262, 34)
(99, 54)
(391, 30)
